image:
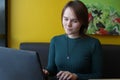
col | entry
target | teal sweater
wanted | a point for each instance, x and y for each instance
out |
(81, 56)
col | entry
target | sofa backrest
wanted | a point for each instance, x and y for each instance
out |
(41, 48)
(111, 57)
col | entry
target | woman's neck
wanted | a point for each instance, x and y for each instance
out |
(73, 36)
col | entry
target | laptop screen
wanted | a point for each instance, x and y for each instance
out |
(19, 65)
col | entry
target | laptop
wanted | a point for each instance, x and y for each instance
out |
(19, 65)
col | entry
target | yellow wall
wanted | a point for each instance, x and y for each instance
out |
(39, 21)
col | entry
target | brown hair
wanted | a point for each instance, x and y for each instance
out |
(81, 13)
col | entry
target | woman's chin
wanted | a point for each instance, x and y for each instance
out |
(68, 33)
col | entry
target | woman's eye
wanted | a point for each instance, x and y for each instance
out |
(75, 21)
(65, 19)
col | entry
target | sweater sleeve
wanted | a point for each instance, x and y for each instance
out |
(96, 70)
(51, 67)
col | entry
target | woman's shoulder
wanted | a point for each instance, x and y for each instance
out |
(93, 42)
(93, 39)
(59, 36)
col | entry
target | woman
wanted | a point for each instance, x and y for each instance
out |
(74, 55)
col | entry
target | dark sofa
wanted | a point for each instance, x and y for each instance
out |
(111, 57)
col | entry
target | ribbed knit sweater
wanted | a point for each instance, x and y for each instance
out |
(82, 56)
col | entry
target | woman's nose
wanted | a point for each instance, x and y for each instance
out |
(69, 23)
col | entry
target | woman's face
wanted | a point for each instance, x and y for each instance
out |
(70, 23)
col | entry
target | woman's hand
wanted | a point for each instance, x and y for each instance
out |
(45, 72)
(66, 75)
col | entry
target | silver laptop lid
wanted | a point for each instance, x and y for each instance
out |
(19, 65)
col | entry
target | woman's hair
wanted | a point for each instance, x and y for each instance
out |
(81, 13)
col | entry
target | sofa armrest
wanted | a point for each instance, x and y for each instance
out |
(111, 61)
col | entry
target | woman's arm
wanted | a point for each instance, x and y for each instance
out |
(96, 70)
(51, 67)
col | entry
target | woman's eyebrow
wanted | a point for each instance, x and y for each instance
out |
(71, 19)
(65, 17)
